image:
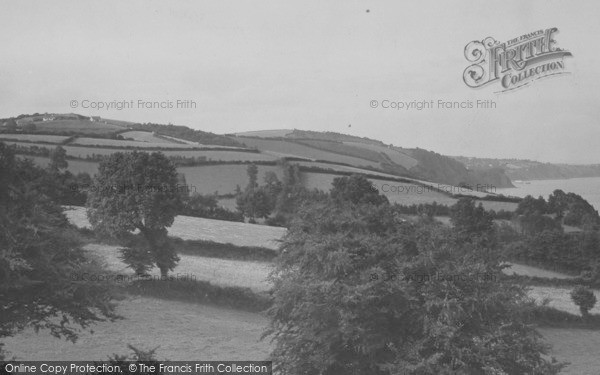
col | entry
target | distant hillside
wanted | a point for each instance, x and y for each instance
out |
(518, 169)
(188, 134)
(73, 124)
(372, 154)
(435, 167)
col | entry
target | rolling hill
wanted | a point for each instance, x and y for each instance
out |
(217, 163)
(372, 154)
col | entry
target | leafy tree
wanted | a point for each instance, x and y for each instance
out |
(356, 189)
(252, 171)
(356, 292)
(584, 298)
(207, 206)
(557, 202)
(29, 126)
(137, 191)
(58, 159)
(530, 205)
(470, 222)
(255, 201)
(11, 125)
(43, 269)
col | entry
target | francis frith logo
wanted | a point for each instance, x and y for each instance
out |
(514, 63)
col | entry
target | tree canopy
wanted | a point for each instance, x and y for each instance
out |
(137, 191)
(41, 259)
(357, 291)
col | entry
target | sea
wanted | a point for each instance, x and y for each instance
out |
(588, 188)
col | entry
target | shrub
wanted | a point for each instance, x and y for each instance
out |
(584, 298)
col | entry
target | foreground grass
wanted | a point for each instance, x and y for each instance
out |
(221, 272)
(182, 331)
(200, 292)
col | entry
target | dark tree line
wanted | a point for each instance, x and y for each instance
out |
(39, 255)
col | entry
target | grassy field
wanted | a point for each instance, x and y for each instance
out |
(222, 178)
(266, 133)
(524, 270)
(75, 166)
(118, 143)
(34, 138)
(79, 126)
(181, 331)
(578, 346)
(195, 228)
(223, 155)
(142, 136)
(396, 156)
(222, 272)
(294, 149)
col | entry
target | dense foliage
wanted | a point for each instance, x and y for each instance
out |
(358, 291)
(41, 260)
(137, 191)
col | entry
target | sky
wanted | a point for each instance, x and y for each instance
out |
(313, 65)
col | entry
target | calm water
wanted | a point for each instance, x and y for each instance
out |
(588, 188)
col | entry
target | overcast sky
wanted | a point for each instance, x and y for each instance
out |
(254, 65)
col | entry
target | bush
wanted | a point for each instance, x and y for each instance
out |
(584, 298)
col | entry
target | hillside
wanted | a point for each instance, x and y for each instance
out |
(372, 154)
(517, 169)
(91, 138)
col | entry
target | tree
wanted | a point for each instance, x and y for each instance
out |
(58, 159)
(29, 126)
(355, 292)
(43, 269)
(470, 222)
(356, 189)
(11, 125)
(137, 191)
(255, 201)
(584, 298)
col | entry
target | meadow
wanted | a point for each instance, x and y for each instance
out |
(124, 144)
(221, 178)
(78, 126)
(181, 331)
(298, 150)
(398, 157)
(142, 136)
(34, 138)
(196, 228)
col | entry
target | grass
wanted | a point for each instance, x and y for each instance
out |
(75, 166)
(181, 331)
(578, 346)
(211, 249)
(79, 126)
(195, 228)
(394, 155)
(142, 136)
(124, 144)
(54, 139)
(295, 149)
(189, 290)
(219, 272)
(222, 155)
(207, 179)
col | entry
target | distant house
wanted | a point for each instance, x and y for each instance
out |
(95, 118)
(48, 118)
